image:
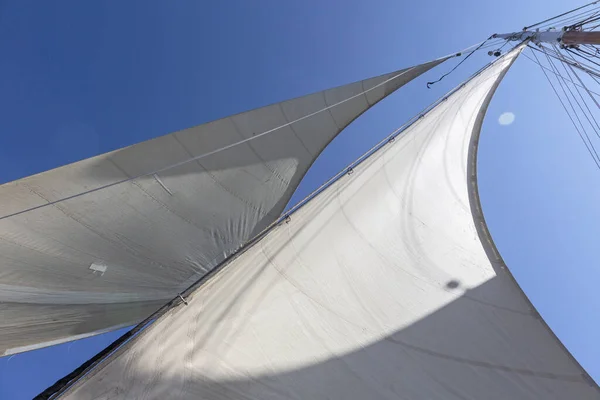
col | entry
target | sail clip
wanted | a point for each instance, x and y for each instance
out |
(184, 301)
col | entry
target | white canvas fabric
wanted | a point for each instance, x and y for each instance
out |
(385, 286)
(74, 264)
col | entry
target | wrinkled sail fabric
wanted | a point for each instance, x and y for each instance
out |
(384, 286)
(110, 257)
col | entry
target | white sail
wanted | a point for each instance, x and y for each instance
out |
(104, 242)
(385, 286)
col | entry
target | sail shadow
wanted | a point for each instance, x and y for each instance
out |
(463, 350)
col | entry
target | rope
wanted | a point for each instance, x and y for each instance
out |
(560, 15)
(574, 64)
(593, 149)
(585, 58)
(569, 20)
(592, 76)
(460, 53)
(592, 18)
(591, 28)
(583, 100)
(566, 110)
(584, 87)
(549, 70)
(461, 61)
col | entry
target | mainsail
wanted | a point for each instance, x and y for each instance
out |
(385, 285)
(104, 242)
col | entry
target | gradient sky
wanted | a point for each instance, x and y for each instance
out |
(81, 78)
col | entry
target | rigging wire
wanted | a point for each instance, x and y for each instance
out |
(592, 76)
(591, 28)
(587, 21)
(565, 108)
(589, 92)
(490, 43)
(552, 72)
(593, 149)
(560, 15)
(494, 43)
(584, 102)
(591, 18)
(569, 20)
(505, 43)
(571, 53)
(574, 64)
(574, 19)
(582, 56)
(591, 48)
(461, 61)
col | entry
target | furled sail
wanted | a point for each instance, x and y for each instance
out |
(104, 242)
(386, 285)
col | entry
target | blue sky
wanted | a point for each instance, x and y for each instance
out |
(81, 78)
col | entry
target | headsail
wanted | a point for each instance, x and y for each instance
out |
(103, 242)
(385, 285)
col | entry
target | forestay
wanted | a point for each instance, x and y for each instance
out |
(386, 285)
(104, 242)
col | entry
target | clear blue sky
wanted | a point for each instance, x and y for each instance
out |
(80, 78)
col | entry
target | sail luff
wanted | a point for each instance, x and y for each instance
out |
(487, 241)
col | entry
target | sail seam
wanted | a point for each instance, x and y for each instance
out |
(328, 107)
(209, 153)
(287, 120)
(77, 219)
(484, 364)
(362, 86)
(255, 152)
(216, 181)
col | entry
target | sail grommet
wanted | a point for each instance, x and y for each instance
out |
(350, 170)
(392, 139)
(287, 219)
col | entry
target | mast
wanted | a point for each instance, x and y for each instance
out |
(563, 38)
(579, 37)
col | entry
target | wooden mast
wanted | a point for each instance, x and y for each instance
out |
(579, 37)
(567, 38)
